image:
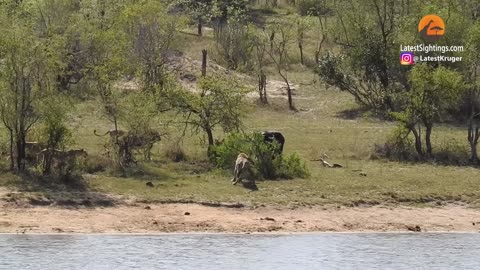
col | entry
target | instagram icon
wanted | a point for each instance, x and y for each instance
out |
(406, 58)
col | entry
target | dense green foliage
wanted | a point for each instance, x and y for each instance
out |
(267, 164)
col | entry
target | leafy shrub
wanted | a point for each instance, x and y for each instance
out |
(291, 166)
(285, 167)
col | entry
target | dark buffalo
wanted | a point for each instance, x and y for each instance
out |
(271, 136)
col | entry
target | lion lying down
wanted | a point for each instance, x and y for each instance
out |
(242, 165)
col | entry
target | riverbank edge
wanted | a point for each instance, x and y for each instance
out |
(236, 234)
(166, 219)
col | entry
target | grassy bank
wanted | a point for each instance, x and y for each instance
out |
(321, 127)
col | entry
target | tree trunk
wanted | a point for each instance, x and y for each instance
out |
(18, 158)
(474, 153)
(290, 100)
(116, 128)
(12, 158)
(323, 28)
(204, 62)
(289, 92)
(199, 27)
(211, 141)
(473, 137)
(265, 88)
(300, 47)
(428, 142)
(262, 87)
(20, 143)
(272, 38)
(209, 132)
(47, 161)
(388, 103)
(418, 141)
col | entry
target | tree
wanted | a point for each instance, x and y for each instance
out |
(106, 56)
(473, 91)
(284, 37)
(56, 21)
(54, 131)
(433, 92)
(227, 11)
(25, 75)
(151, 32)
(302, 25)
(323, 30)
(219, 103)
(366, 32)
(220, 12)
(322, 9)
(234, 44)
(198, 11)
(259, 59)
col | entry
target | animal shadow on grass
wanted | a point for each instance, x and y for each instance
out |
(250, 185)
(352, 114)
(360, 112)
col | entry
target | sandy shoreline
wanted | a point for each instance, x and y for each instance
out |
(193, 218)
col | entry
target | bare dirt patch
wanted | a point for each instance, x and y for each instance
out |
(187, 71)
(169, 218)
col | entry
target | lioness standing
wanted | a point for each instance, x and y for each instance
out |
(243, 164)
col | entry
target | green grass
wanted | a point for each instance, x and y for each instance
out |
(386, 183)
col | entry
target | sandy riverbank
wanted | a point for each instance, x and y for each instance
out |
(169, 218)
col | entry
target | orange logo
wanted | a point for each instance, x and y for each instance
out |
(431, 27)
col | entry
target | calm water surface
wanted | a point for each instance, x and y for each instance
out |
(316, 251)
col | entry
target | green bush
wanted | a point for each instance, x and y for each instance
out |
(261, 153)
(291, 166)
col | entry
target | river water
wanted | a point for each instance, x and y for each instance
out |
(229, 252)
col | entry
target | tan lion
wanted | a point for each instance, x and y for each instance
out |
(142, 141)
(243, 165)
(60, 158)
